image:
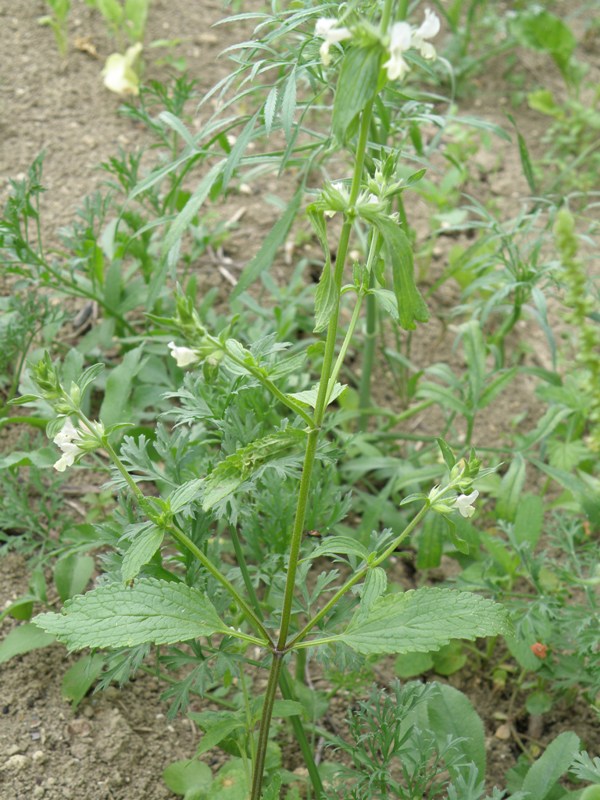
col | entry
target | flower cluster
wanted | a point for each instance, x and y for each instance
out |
(402, 37)
(74, 442)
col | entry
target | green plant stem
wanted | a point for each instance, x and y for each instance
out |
(344, 348)
(185, 540)
(287, 692)
(241, 560)
(309, 457)
(356, 578)
(368, 358)
(269, 385)
(263, 734)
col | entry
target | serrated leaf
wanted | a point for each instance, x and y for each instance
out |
(356, 86)
(242, 465)
(150, 611)
(145, 544)
(23, 639)
(288, 104)
(269, 110)
(423, 620)
(372, 589)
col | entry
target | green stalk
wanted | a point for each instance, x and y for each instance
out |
(309, 458)
(356, 578)
(263, 734)
(185, 540)
(368, 358)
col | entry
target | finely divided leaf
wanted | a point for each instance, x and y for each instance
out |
(161, 612)
(424, 620)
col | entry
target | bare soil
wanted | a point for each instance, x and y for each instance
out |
(116, 744)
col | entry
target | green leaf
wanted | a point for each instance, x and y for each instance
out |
(151, 611)
(339, 545)
(140, 552)
(357, 85)
(529, 520)
(288, 104)
(450, 713)
(309, 396)
(187, 775)
(447, 454)
(264, 258)
(79, 678)
(246, 462)
(411, 306)
(326, 298)
(409, 665)
(43, 457)
(510, 489)
(422, 620)
(538, 702)
(182, 222)
(72, 574)
(231, 783)
(552, 765)
(431, 542)
(524, 155)
(116, 405)
(183, 496)
(23, 639)
(269, 110)
(449, 659)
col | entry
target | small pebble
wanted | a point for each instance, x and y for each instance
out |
(16, 763)
(503, 733)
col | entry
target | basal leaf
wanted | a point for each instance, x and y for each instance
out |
(23, 639)
(552, 765)
(160, 612)
(422, 620)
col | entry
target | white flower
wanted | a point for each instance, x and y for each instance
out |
(400, 41)
(119, 73)
(183, 355)
(403, 37)
(67, 439)
(464, 503)
(326, 29)
(429, 28)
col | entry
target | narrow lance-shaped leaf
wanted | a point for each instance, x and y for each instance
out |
(264, 258)
(356, 86)
(411, 306)
(326, 295)
(145, 544)
(150, 611)
(423, 620)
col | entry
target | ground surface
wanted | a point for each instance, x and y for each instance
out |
(116, 744)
